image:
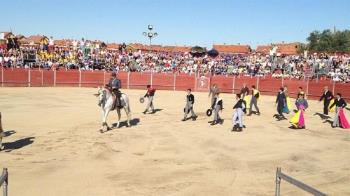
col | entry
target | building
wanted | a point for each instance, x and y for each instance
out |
(282, 48)
(232, 49)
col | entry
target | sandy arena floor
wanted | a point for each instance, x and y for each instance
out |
(55, 148)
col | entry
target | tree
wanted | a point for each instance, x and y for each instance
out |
(328, 41)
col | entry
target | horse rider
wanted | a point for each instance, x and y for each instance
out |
(115, 85)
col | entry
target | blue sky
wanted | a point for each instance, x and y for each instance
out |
(178, 22)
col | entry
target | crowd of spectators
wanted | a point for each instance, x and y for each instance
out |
(87, 55)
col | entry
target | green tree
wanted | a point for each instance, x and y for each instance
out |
(328, 41)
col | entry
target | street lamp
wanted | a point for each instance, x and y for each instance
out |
(150, 34)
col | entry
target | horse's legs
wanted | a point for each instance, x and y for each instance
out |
(127, 112)
(103, 119)
(119, 115)
(105, 113)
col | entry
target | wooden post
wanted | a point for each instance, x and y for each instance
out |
(5, 182)
(307, 88)
(54, 78)
(174, 84)
(1, 130)
(104, 77)
(233, 84)
(29, 79)
(79, 78)
(2, 76)
(195, 83)
(278, 182)
(128, 82)
(42, 78)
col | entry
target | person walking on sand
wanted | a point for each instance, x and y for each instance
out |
(340, 117)
(212, 92)
(327, 96)
(244, 91)
(217, 107)
(239, 109)
(281, 103)
(189, 106)
(150, 95)
(254, 101)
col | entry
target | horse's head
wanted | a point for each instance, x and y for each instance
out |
(101, 94)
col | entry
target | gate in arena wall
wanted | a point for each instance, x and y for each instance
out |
(202, 83)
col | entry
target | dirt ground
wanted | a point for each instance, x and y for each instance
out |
(53, 147)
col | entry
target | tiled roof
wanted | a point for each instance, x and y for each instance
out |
(283, 48)
(263, 49)
(63, 42)
(112, 46)
(288, 49)
(238, 49)
(160, 48)
(7, 34)
(34, 39)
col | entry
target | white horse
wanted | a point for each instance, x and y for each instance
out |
(105, 101)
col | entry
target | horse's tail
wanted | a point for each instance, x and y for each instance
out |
(1, 130)
(127, 103)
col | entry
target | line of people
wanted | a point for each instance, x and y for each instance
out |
(245, 102)
(330, 103)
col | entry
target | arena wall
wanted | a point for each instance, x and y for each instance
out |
(165, 81)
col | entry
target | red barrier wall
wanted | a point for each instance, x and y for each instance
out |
(139, 80)
(92, 79)
(48, 78)
(224, 83)
(1, 75)
(269, 85)
(315, 88)
(344, 89)
(15, 77)
(162, 81)
(184, 82)
(249, 81)
(36, 78)
(293, 86)
(67, 78)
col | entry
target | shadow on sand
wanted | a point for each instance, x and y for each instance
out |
(328, 121)
(9, 133)
(10, 146)
(133, 122)
(322, 116)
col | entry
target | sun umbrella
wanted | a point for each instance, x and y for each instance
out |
(213, 53)
(198, 51)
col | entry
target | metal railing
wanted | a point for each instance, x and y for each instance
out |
(4, 181)
(297, 183)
